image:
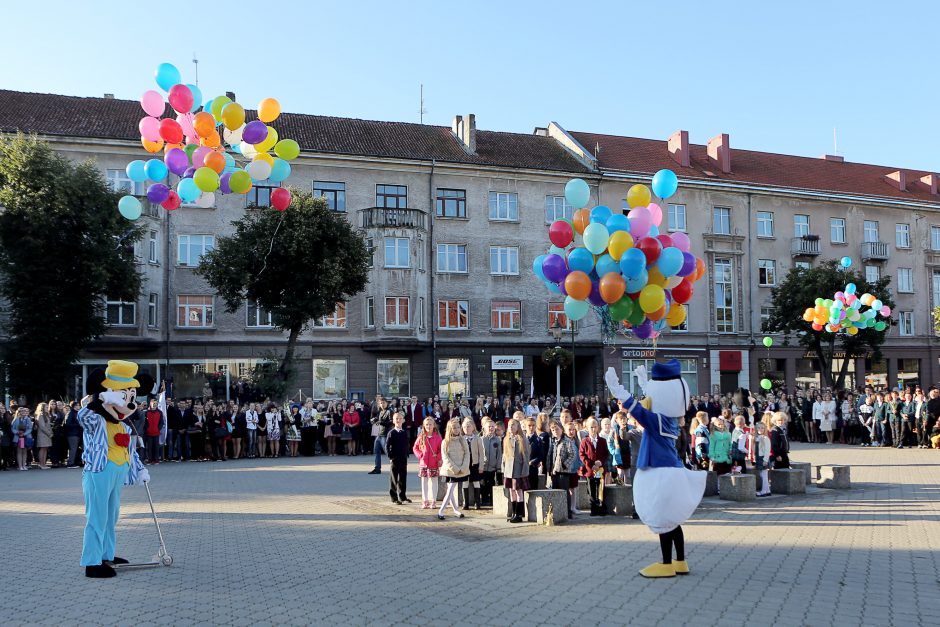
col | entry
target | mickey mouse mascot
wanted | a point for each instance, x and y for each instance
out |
(110, 463)
(665, 493)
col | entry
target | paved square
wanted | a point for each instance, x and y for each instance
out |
(315, 541)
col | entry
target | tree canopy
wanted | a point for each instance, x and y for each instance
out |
(296, 264)
(63, 249)
(800, 289)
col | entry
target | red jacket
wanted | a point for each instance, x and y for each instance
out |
(154, 418)
(589, 455)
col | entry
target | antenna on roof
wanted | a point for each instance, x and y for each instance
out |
(835, 142)
(421, 109)
(196, 63)
(597, 149)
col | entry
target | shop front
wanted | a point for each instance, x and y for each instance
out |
(693, 364)
(507, 375)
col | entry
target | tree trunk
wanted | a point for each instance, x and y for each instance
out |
(840, 382)
(284, 368)
(825, 361)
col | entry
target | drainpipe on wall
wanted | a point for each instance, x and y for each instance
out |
(750, 295)
(430, 305)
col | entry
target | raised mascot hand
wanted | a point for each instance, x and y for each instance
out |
(613, 384)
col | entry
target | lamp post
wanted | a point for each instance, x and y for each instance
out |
(556, 333)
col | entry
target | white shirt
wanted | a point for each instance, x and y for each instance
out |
(251, 417)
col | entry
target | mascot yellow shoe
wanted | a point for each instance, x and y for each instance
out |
(659, 570)
(682, 567)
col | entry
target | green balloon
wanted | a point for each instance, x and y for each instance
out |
(768, 342)
(287, 149)
(190, 149)
(819, 301)
(240, 182)
(206, 179)
(622, 309)
(766, 384)
(636, 316)
(218, 104)
(880, 326)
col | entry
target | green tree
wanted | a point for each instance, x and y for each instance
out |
(63, 248)
(297, 265)
(799, 291)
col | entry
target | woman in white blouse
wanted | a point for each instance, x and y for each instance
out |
(825, 412)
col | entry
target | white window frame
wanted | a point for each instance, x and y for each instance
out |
(870, 228)
(208, 312)
(186, 242)
(765, 312)
(503, 311)
(153, 313)
(121, 306)
(902, 235)
(806, 265)
(728, 290)
(765, 222)
(370, 312)
(800, 228)
(769, 269)
(396, 244)
(336, 320)
(721, 217)
(154, 247)
(501, 260)
(504, 206)
(120, 183)
(675, 218)
(837, 225)
(459, 308)
(560, 315)
(370, 246)
(256, 317)
(906, 323)
(906, 284)
(397, 323)
(557, 208)
(452, 255)
(871, 270)
(935, 238)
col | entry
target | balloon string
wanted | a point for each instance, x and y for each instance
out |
(271, 247)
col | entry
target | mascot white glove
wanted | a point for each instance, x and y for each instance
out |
(613, 384)
(641, 377)
(143, 476)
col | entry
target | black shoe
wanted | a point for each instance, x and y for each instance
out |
(101, 571)
(375, 471)
(397, 502)
(406, 501)
(460, 516)
(440, 517)
(116, 560)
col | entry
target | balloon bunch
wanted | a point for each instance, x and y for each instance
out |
(200, 145)
(844, 312)
(621, 264)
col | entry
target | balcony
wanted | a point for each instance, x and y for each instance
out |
(875, 251)
(383, 218)
(805, 246)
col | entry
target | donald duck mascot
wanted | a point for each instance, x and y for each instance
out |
(665, 493)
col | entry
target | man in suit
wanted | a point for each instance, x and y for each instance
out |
(414, 418)
(593, 453)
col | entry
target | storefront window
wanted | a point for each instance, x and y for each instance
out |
(453, 377)
(772, 369)
(219, 379)
(628, 378)
(908, 373)
(848, 382)
(329, 379)
(394, 377)
(877, 376)
(807, 374)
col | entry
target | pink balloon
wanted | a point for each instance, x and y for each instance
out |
(181, 98)
(656, 213)
(885, 311)
(149, 128)
(152, 102)
(199, 156)
(681, 241)
(186, 121)
(639, 222)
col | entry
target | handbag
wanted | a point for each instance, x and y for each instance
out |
(221, 433)
(336, 428)
(346, 434)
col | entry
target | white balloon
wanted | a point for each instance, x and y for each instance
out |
(673, 281)
(259, 170)
(248, 150)
(206, 200)
(233, 137)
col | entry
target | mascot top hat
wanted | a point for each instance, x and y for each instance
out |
(120, 375)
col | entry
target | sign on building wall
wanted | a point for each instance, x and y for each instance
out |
(506, 362)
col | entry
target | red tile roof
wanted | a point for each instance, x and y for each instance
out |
(108, 118)
(646, 156)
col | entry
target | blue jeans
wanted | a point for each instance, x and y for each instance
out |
(173, 444)
(102, 508)
(184, 445)
(252, 442)
(379, 449)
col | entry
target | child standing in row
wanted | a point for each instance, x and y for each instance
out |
(760, 455)
(427, 449)
(396, 445)
(475, 446)
(492, 459)
(455, 466)
(516, 469)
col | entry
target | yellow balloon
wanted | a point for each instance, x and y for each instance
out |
(268, 110)
(652, 297)
(233, 115)
(852, 330)
(268, 142)
(638, 196)
(263, 156)
(618, 244)
(656, 278)
(676, 315)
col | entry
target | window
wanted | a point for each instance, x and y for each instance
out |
(721, 220)
(370, 311)
(396, 252)
(451, 258)
(765, 313)
(688, 369)
(194, 311)
(506, 315)
(421, 324)
(906, 323)
(451, 203)
(336, 320)
(872, 274)
(192, 247)
(837, 230)
(393, 377)
(676, 216)
(396, 311)
(724, 297)
(256, 317)
(504, 206)
(902, 235)
(557, 208)
(800, 225)
(453, 314)
(119, 182)
(119, 313)
(260, 195)
(766, 272)
(154, 249)
(765, 224)
(935, 238)
(335, 194)
(453, 377)
(370, 247)
(936, 288)
(871, 231)
(802, 264)
(905, 279)
(329, 379)
(504, 260)
(685, 322)
(152, 318)
(391, 196)
(556, 312)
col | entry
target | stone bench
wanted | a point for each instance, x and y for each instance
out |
(807, 469)
(787, 481)
(834, 477)
(584, 496)
(742, 487)
(542, 504)
(500, 501)
(618, 499)
(711, 483)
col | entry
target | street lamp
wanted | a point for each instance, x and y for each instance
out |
(556, 333)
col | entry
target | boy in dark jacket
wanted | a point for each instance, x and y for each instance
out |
(397, 447)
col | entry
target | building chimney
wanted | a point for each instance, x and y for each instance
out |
(541, 131)
(836, 158)
(231, 96)
(679, 148)
(465, 128)
(897, 179)
(109, 96)
(930, 181)
(719, 152)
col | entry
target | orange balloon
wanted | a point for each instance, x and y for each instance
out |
(659, 314)
(656, 277)
(581, 218)
(150, 146)
(809, 314)
(169, 147)
(699, 269)
(214, 161)
(578, 285)
(204, 123)
(612, 287)
(213, 140)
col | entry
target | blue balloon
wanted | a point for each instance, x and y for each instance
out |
(230, 165)
(581, 259)
(600, 214)
(129, 206)
(670, 261)
(577, 193)
(280, 170)
(605, 263)
(850, 288)
(166, 76)
(665, 183)
(846, 262)
(654, 230)
(197, 97)
(876, 305)
(576, 309)
(637, 283)
(207, 105)
(618, 222)
(537, 267)
(188, 190)
(156, 170)
(552, 287)
(136, 171)
(632, 263)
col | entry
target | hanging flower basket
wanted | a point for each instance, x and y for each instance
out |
(557, 356)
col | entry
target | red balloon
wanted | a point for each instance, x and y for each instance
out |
(172, 202)
(682, 293)
(171, 131)
(665, 240)
(651, 248)
(180, 98)
(280, 199)
(560, 233)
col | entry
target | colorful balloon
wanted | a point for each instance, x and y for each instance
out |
(577, 193)
(600, 214)
(575, 309)
(651, 248)
(158, 193)
(180, 98)
(596, 237)
(652, 297)
(268, 110)
(166, 76)
(136, 171)
(149, 128)
(618, 222)
(638, 196)
(156, 170)
(618, 243)
(280, 170)
(280, 198)
(682, 293)
(640, 222)
(233, 116)
(561, 233)
(203, 123)
(287, 149)
(129, 207)
(578, 285)
(677, 314)
(845, 262)
(766, 384)
(670, 261)
(621, 309)
(681, 241)
(553, 267)
(240, 182)
(188, 190)
(152, 103)
(605, 264)
(612, 287)
(214, 161)
(172, 202)
(665, 183)
(218, 103)
(632, 262)
(768, 341)
(580, 259)
(206, 179)
(171, 131)
(580, 220)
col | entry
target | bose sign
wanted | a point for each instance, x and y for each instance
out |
(506, 362)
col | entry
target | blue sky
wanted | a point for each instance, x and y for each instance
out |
(777, 76)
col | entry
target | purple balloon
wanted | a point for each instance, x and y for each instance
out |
(176, 160)
(554, 268)
(561, 288)
(223, 183)
(158, 193)
(189, 173)
(688, 265)
(255, 132)
(595, 296)
(644, 331)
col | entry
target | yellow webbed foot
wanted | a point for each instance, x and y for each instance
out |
(659, 570)
(682, 568)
